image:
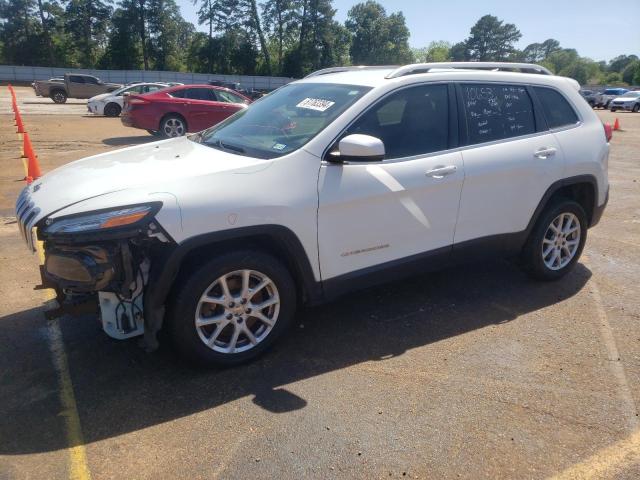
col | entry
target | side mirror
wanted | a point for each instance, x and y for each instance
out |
(358, 148)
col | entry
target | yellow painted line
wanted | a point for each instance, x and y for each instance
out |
(607, 463)
(78, 465)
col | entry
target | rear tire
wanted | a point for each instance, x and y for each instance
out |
(173, 126)
(556, 241)
(613, 110)
(112, 110)
(59, 96)
(216, 319)
(636, 108)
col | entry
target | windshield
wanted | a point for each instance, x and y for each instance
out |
(614, 91)
(632, 94)
(283, 121)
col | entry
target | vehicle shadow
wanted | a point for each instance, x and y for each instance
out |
(132, 140)
(120, 389)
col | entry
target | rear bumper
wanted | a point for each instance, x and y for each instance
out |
(599, 210)
(138, 121)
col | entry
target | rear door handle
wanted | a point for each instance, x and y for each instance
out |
(545, 152)
(440, 171)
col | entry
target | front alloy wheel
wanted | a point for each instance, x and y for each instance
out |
(237, 311)
(231, 308)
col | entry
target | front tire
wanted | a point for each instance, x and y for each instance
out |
(173, 126)
(556, 241)
(59, 96)
(112, 110)
(232, 308)
(636, 108)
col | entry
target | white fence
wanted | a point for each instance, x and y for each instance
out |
(9, 73)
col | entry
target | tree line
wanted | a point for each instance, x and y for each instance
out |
(270, 37)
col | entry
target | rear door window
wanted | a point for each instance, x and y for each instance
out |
(412, 121)
(497, 111)
(199, 94)
(227, 97)
(556, 108)
(76, 79)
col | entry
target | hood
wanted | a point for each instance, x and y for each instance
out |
(625, 99)
(100, 97)
(149, 167)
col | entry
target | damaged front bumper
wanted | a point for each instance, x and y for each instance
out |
(108, 269)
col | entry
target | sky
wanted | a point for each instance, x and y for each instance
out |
(589, 26)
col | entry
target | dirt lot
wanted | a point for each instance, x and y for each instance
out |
(473, 372)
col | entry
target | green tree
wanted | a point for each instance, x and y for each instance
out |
(378, 39)
(630, 72)
(87, 22)
(124, 50)
(619, 63)
(436, 51)
(167, 31)
(561, 59)
(281, 19)
(491, 39)
(21, 33)
(459, 52)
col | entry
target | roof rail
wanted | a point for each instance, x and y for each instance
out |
(326, 71)
(493, 66)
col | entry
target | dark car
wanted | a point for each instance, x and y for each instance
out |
(175, 111)
(589, 96)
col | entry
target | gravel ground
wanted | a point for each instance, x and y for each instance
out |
(472, 372)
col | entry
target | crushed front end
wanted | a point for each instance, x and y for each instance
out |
(101, 257)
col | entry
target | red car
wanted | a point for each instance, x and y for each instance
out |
(174, 111)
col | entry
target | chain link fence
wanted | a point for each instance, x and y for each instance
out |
(10, 73)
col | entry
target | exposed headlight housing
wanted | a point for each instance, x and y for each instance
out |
(99, 221)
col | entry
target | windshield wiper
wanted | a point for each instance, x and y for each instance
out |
(225, 146)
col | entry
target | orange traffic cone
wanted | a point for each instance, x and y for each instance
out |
(616, 125)
(19, 123)
(33, 169)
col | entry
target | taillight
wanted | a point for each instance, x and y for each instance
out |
(608, 131)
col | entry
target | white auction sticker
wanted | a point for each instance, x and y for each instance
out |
(315, 104)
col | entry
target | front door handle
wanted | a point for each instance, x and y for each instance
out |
(440, 171)
(545, 152)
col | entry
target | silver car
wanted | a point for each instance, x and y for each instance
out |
(629, 101)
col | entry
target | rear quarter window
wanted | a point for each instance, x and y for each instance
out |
(556, 108)
(497, 111)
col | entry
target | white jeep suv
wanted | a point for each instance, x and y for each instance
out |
(345, 179)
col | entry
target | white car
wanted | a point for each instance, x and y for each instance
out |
(629, 101)
(110, 104)
(348, 178)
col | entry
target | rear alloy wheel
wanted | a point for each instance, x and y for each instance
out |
(232, 308)
(556, 242)
(112, 110)
(173, 126)
(59, 96)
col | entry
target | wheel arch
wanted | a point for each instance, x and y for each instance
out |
(582, 188)
(275, 240)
